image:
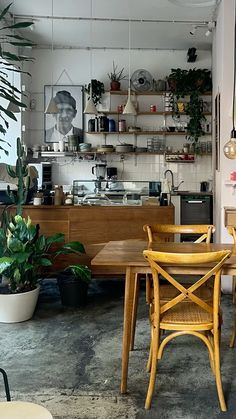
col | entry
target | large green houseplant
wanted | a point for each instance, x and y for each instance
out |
(25, 258)
(10, 62)
(192, 83)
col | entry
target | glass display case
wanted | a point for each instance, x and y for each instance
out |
(113, 192)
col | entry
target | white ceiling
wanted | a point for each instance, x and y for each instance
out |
(71, 32)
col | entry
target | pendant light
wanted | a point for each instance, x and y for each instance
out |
(90, 107)
(52, 108)
(230, 147)
(129, 107)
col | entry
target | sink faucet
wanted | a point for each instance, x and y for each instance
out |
(173, 187)
(172, 178)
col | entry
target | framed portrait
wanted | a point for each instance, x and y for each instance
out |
(70, 118)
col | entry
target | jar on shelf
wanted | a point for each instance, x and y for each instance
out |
(122, 125)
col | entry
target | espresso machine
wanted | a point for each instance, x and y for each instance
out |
(99, 170)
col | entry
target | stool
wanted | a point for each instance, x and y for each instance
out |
(23, 410)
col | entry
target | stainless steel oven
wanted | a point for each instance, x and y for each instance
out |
(195, 209)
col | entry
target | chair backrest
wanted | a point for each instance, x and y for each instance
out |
(232, 232)
(165, 232)
(216, 259)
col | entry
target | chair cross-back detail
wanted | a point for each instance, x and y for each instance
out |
(197, 317)
(232, 232)
(165, 233)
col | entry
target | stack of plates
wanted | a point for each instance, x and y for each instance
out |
(84, 147)
(105, 148)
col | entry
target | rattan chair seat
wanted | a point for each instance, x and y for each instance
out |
(186, 313)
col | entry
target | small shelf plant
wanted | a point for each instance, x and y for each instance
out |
(116, 76)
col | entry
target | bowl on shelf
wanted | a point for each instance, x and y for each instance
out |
(171, 129)
(124, 148)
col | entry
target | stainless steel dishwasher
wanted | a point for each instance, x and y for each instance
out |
(195, 209)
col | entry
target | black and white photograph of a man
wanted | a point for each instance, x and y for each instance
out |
(69, 119)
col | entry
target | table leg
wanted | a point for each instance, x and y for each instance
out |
(128, 309)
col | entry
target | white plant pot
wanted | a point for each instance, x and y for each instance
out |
(20, 307)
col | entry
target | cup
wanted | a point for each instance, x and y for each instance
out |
(55, 147)
(37, 200)
(61, 146)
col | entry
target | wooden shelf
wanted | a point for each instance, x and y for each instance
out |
(151, 93)
(162, 113)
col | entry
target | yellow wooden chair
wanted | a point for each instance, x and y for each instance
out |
(165, 233)
(232, 232)
(198, 318)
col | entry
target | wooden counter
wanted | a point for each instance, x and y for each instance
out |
(96, 225)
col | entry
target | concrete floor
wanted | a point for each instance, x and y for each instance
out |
(69, 361)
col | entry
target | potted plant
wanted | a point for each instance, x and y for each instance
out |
(73, 285)
(97, 90)
(25, 255)
(193, 83)
(116, 76)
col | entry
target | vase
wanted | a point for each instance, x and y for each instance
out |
(18, 307)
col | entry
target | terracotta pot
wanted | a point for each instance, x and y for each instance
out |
(115, 85)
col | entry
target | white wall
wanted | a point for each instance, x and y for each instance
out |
(14, 130)
(77, 65)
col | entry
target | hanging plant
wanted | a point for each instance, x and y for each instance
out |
(192, 83)
(97, 90)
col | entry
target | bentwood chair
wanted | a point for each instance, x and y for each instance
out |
(196, 317)
(20, 409)
(165, 233)
(232, 232)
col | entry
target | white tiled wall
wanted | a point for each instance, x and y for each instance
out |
(141, 167)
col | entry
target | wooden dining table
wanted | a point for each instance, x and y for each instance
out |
(129, 254)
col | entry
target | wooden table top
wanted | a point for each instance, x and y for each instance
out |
(130, 252)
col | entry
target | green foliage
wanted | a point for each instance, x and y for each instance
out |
(79, 271)
(21, 172)
(116, 75)
(25, 254)
(97, 90)
(7, 90)
(192, 83)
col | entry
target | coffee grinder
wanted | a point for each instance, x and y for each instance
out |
(111, 178)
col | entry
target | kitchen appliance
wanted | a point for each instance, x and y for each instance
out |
(111, 178)
(142, 80)
(111, 172)
(195, 209)
(99, 170)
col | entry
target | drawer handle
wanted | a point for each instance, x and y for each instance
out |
(195, 202)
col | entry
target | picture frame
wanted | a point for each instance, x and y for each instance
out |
(73, 98)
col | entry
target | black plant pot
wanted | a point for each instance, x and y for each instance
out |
(73, 290)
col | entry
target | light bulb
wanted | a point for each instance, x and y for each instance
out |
(230, 147)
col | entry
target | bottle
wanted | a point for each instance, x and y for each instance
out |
(62, 195)
(57, 195)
